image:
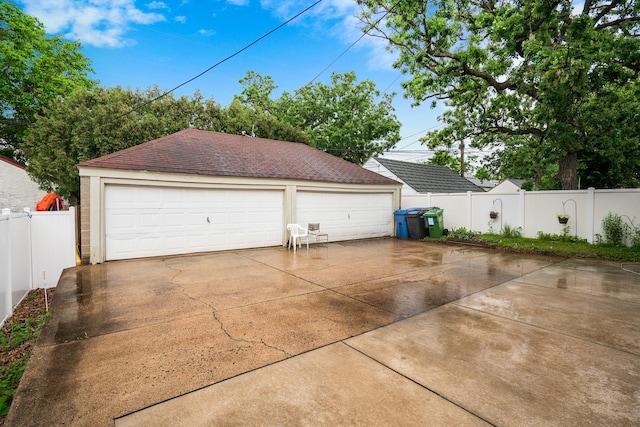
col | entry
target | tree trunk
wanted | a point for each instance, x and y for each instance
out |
(567, 174)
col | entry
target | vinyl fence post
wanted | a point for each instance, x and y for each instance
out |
(469, 210)
(523, 218)
(8, 308)
(590, 220)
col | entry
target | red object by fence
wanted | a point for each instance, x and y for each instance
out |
(50, 202)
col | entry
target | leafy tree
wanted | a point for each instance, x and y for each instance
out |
(35, 70)
(90, 124)
(523, 76)
(239, 118)
(256, 92)
(343, 118)
(612, 120)
(445, 157)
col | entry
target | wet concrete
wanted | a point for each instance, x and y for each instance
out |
(385, 332)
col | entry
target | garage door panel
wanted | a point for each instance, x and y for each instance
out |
(156, 221)
(348, 216)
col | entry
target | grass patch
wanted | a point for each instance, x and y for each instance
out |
(17, 337)
(559, 245)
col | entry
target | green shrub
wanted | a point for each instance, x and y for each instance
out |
(614, 229)
(462, 234)
(564, 237)
(635, 238)
(510, 231)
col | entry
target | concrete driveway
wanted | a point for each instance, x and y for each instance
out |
(375, 332)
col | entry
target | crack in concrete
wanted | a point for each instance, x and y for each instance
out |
(215, 316)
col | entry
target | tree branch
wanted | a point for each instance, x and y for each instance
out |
(516, 132)
(617, 22)
(606, 10)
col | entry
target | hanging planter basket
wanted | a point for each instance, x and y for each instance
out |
(563, 219)
(493, 214)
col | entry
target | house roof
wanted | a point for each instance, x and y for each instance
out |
(482, 183)
(428, 178)
(12, 162)
(516, 182)
(202, 152)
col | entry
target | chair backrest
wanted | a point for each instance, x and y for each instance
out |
(296, 229)
(314, 226)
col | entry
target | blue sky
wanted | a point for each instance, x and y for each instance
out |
(141, 43)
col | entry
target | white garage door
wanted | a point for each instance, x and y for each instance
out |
(156, 221)
(347, 216)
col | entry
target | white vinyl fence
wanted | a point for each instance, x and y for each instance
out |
(534, 211)
(34, 249)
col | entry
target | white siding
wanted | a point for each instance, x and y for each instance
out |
(346, 216)
(155, 221)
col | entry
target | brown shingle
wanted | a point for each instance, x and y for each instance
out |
(201, 152)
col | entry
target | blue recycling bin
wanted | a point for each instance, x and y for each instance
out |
(402, 228)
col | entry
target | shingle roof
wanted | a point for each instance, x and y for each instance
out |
(428, 178)
(202, 152)
(11, 162)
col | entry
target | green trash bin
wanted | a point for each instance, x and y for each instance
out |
(434, 222)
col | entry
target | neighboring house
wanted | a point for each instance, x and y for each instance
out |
(17, 190)
(485, 184)
(419, 178)
(508, 186)
(199, 191)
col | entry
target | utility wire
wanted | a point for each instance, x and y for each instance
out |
(352, 45)
(220, 62)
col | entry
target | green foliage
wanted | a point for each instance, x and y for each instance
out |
(90, 124)
(9, 379)
(510, 231)
(550, 244)
(462, 234)
(635, 238)
(35, 70)
(544, 84)
(22, 332)
(19, 333)
(445, 157)
(615, 230)
(343, 118)
(562, 247)
(564, 237)
(239, 118)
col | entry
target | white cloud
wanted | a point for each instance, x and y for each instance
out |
(206, 33)
(238, 2)
(157, 5)
(338, 18)
(101, 23)
(181, 19)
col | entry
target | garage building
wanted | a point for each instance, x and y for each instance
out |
(199, 191)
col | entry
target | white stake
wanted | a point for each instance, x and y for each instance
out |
(46, 300)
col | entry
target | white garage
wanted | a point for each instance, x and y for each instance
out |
(198, 191)
(347, 216)
(144, 221)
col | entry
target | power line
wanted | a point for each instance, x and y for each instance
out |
(219, 62)
(352, 45)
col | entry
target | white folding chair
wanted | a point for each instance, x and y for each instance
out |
(297, 233)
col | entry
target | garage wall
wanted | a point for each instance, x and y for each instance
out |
(347, 216)
(131, 214)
